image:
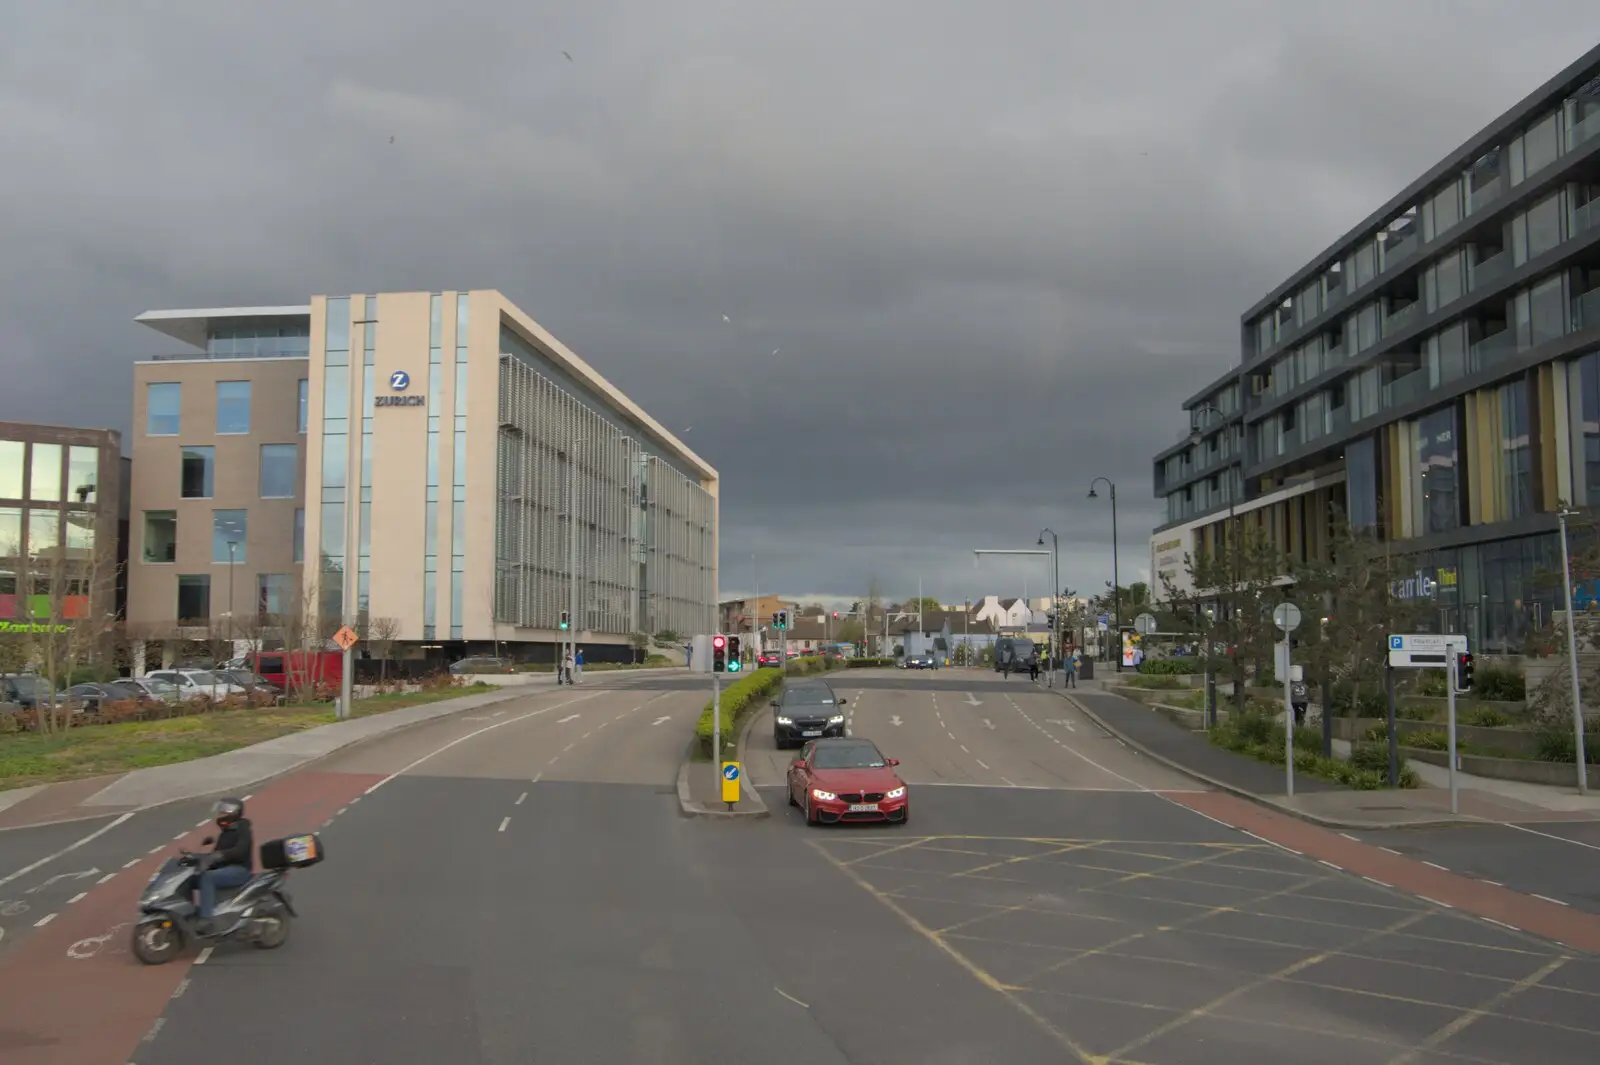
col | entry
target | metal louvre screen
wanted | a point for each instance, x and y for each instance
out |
(643, 535)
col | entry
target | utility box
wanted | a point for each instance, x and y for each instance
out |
(700, 655)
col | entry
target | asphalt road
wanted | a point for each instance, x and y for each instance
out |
(521, 887)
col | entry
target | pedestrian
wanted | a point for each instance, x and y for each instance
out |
(1070, 678)
(567, 668)
(561, 666)
(1033, 669)
(578, 662)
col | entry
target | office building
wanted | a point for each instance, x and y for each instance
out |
(63, 528)
(1434, 374)
(456, 471)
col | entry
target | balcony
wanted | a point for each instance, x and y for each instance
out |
(1586, 311)
(1396, 252)
(1490, 270)
(1586, 130)
(1491, 349)
(1400, 319)
(1485, 194)
(1403, 390)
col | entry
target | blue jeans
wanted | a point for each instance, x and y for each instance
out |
(227, 876)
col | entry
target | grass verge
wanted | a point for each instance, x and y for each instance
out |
(28, 758)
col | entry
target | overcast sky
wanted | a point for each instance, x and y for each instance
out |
(994, 245)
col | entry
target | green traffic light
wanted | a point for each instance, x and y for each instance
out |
(733, 666)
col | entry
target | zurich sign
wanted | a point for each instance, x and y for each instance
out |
(399, 381)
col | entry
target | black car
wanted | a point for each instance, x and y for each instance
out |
(919, 662)
(806, 711)
(249, 681)
(92, 698)
(27, 690)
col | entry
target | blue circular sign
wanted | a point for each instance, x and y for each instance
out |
(730, 772)
(399, 380)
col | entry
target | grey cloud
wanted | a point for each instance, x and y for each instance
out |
(995, 245)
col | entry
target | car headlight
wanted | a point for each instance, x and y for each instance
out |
(836, 719)
(825, 796)
(784, 720)
(897, 793)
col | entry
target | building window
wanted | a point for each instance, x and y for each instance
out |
(274, 593)
(12, 458)
(1361, 483)
(44, 473)
(279, 465)
(233, 407)
(1437, 471)
(228, 529)
(1548, 311)
(160, 536)
(305, 403)
(83, 475)
(300, 534)
(1516, 454)
(162, 403)
(335, 460)
(198, 475)
(194, 597)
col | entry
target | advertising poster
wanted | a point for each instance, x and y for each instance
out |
(1132, 649)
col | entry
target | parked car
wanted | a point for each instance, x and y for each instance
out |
(92, 698)
(250, 682)
(194, 683)
(161, 690)
(481, 664)
(27, 690)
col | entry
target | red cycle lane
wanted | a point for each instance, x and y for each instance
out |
(1573, 928)
(74, 995)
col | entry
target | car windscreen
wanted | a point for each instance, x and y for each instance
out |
(202, 676)
(808, 697)
(160, 684)
(121, 690)
(30, 685)
(847, 756)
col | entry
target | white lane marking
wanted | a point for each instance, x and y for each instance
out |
(606, 722)
(964, 749)
(1502, 924)
(470, 735)
(504, 821)
(62, 876)
(569, 717)
(183, 985)
(46, 919)
(1271, 843)
(497, 713)
(663, 719)
(103, 879)
(568, 747)
(1519, 828)
(973, 701)
(1375, 880)
(988, 724)
(1219, 821)
(1079, 754)
(1436, 865)
(1009, 784)
(895, 720)
(76, 898)
(200, 959)
(342, 809)
(1547, 898)
(1348, 836)
(524, 795)
(1330, 865)
(68, 849)
(179, 836)
(791, 998)
(980, 762)
(202, 822)
(247, 798)
(952, 735)
(1436, 902)
(131, 862)
(155, 1030)
(1492, 883)
(1391, 850)
(536, 776)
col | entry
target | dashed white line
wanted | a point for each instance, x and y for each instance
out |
(1375, 880)
(1492, 883)
(1547, 898)
(80, 895)
(200, 959)
(183, 985)
(1436, 902)
(524, 795)
(247, 798)
(1330, 865)
(158, 848)
(1502, 924)
(1271, 843)
(131, 862)
(791, 998)
(342, 809)
(964, 749)
(202, 823)
(1391, 850)
(179, 836)
(980, 762)
(567, 748)
(1348, 836)
(1007, 783)
(952, 735)
(569, 717)
(1219, 821)
(46, 919)
(1436, 865)
(536, 776)
(504, 821)
(108, 876)
(155, 1030)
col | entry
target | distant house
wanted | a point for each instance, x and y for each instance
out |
(1005, 614)
(940, 632)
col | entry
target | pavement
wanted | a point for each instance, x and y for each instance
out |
(515, 883)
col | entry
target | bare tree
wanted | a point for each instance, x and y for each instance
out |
(77, 631)
(298, 624)
(382, 632)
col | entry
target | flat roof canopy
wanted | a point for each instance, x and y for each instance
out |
(192, 326)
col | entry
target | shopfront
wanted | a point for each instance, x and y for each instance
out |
(1496, 593)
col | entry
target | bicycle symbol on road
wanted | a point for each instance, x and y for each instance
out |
(84, 949)
(12, 907)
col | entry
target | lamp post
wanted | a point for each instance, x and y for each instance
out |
(232, 547)
(1055, 601)
(1572, 653)
(1116, 580)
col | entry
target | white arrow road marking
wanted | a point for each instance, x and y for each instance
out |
(988, 724)
(47, 859)
(1060, 721)
(569, 717)
(64, 876)
(895, 720)
(972, 701)
(662, 719)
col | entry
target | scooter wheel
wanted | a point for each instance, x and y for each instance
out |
(157, 942)
(272, 932)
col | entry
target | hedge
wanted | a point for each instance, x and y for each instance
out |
(738, 699)
(1169, 666)
(868, 663)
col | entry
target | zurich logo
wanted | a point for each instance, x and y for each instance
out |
(399, 380)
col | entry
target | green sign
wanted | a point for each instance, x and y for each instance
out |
(31, 627)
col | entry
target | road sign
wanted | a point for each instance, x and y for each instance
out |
(1145, 624)
(730, 782)
(1424, 650)
(1286, 616)
(346, 638)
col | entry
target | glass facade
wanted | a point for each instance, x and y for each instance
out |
(1361, 482)
(300, 534)
(335, 457)
(304, 403)
(369, 359)
(13, 455)
(233, 407)
(458, 470)
(430, 561)
(280, 467)
(229, 529)
(263, 338)
(274, 593)
(83, 475)
(1516, 452)
(1497, 593)
(44, 473)
(1438, 472)
(163, 403)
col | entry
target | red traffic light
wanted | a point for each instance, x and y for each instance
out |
(719, 642)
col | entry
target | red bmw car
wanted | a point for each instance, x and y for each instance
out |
(847, 779)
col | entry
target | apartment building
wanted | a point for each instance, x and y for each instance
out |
(63, 526)
(1434, 374)
(434, 458)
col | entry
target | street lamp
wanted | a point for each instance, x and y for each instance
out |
(232, 546)
(1116, 580)
(1572, 651)
(1055, 599)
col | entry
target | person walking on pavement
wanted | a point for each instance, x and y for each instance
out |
(578, 663)
(1033, 668)
(1069, 677)
(566, 668)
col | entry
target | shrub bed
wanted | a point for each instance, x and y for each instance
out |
(1261, 737)
(868, 663)
(739, 699)
(1155, 667)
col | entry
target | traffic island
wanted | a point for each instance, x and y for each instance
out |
(700, 779)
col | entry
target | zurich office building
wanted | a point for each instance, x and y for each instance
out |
(1435, 374)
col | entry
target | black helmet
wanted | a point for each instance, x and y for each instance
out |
(227, 811)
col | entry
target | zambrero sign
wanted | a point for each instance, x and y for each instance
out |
(32, 627)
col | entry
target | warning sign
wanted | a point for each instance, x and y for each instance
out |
(346, 638)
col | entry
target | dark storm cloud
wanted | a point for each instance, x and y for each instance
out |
(992, 245)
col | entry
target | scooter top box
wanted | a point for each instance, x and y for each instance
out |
(292, 852)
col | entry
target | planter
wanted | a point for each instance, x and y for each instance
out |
(1182, 716)
(1557, 774)
(1184, 680)
(1515, 740)
(1150, 696)
(1462, 704)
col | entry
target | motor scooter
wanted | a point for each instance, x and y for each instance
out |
(259, 912)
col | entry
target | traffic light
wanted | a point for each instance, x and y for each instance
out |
(735, 658)
(780, 619)
(836, 615)
(719, 653)
(1463, 672)
(566, 621)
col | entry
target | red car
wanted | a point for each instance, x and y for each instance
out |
(847, 779)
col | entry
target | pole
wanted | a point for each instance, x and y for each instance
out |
(1394, 740)
(1572, 659)
(755, 614)
(1116, 579)
(1455, 804)
(232, 545)
(1288, 718)
(716, 729)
